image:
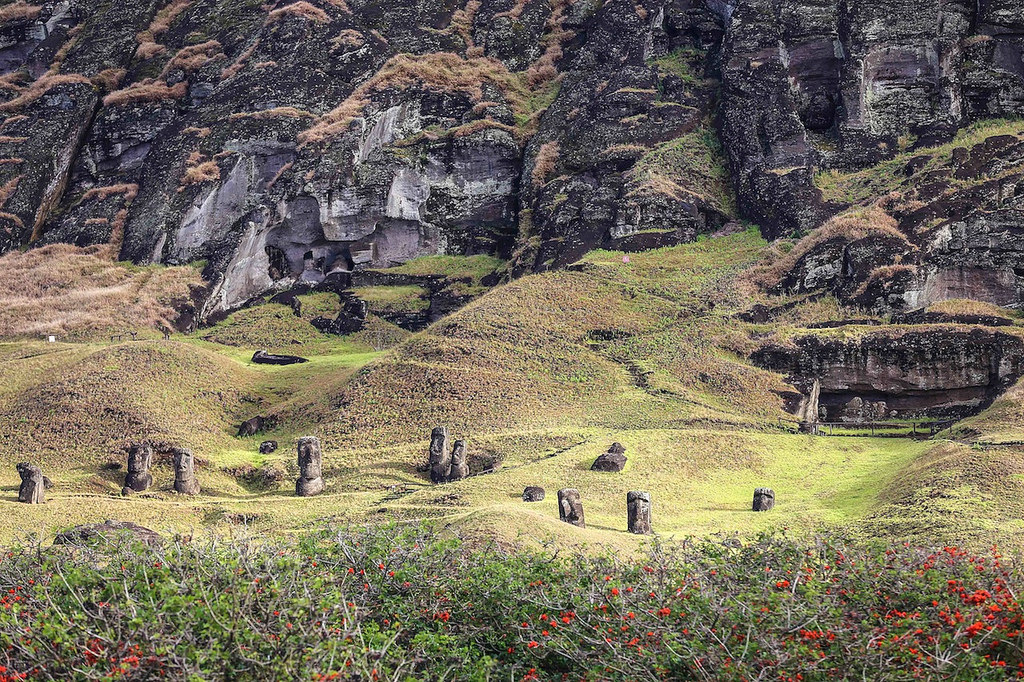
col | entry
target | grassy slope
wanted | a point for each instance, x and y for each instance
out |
(540, 375)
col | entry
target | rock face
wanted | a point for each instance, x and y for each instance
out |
(638, 505)
(310, 481)
(935, 372)
(140, 459)
(185, 481)
(533, 493)
(289, 144)
(268, 446)
(764, 499)
(108, 533)
(613, 461)
(33, 487)
(570, 507)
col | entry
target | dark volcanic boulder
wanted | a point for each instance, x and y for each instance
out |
(109, 533)
(533, 493)
(614, 460)
(262, 357)
(764, 499)
(268, 446)
(250, 427)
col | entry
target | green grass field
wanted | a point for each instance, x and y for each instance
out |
(540, 375)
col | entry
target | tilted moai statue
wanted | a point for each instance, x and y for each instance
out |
(570, 507)
(460, 469)
(764, 499)
(310, 481)
(185, 481)
(140, 459)
(638, 506)
(33, 485)
(440, 455)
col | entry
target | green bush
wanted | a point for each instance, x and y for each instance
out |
(401, 604)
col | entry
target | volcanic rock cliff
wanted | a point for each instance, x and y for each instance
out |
(285, 143)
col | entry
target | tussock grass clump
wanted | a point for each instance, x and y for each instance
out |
(162, 22)
(544, 165)
(299, 9)
(146, 90)
(62, 289)
(40, 87)
(19, 10)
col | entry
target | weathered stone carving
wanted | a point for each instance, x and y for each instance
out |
(638, 506)
(268, 446)
(310, 481)
(440, 455)
(764, 499)
(33, 487)
(185, 481)
(614, 460)
(140, 459)
(262, 357)
(533, 493)
(570, 507)
(250, 427)
(460, 469)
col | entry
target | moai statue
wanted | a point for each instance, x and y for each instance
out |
(185, 481)
(570, 507)
(533, 493)
(440, 455)
(764, 499)
(310, 481)
(460, 469)
(638, 506)
(140, 458)
(33, 486)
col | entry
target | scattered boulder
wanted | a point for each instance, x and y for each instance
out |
(351, 319)
(570, 507)
(33, 485)
(310, 481)
(108, 532)
(268, 446)
(764, 499)
(250, 427)
(140, 459)
(460, 469)
(533, 493)
(614, 460)
(440, 455)
(262, 357)
(638, 507)
(185, 481)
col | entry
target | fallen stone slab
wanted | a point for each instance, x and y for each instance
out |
(262, 357)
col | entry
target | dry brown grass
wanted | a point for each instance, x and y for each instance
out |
(147, 90)
(544, 166)
(339, 4)
(41, 86)
(348, 38)
(109, 79)
(63, 289)
(239, 64)
(128, 190)
(440, 71)
(13, 81)
(199, 171)
(462, 22)
(849, 227)
(271, 114)
(555, 36)
(193, 57)
(18, 10)
(201, 133)
(149, 49)
(299, 9)
(163, 20)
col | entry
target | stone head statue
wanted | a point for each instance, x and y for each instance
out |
(185, 481)
(310, 457)
(33, 485)
(140, 459)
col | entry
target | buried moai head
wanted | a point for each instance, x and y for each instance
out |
(638, 507)
(140, 459)
(33, 484)
(570, 507)
(764, 499)
(310, 480)
(185, 481)
(459, 469)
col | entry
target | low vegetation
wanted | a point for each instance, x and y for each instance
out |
(403, 604)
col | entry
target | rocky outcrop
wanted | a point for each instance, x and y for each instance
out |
(934, 372)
